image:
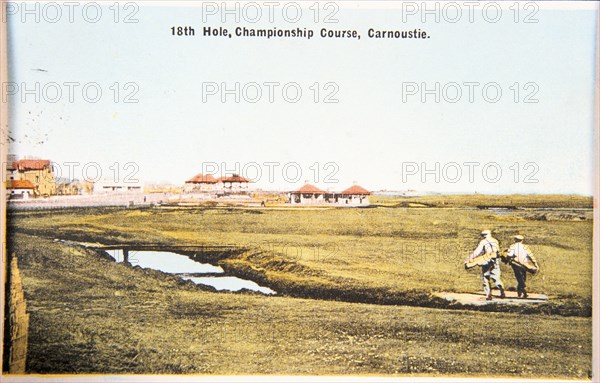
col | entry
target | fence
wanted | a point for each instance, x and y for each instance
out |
(17, 322)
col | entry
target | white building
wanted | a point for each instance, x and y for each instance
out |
(354, 195)
(108, 186)
(308, 195)
(20, 189)
(312, 195)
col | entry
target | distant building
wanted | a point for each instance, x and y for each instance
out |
(73, 187)
(354, 195)
(312, 195)
(234, 183)
(39, 172)
(200, 183)
(20, 189)
(307, 194)
(107, 186)
(206, 183)
(162, 188)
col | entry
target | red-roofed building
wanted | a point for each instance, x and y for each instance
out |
(200, 183)
(308, 195)
(39, 172)
(232, 184)
(202, 179)
(20, 189)
(25, 165)
(354, 195)
(312, 195)
(355, 190)
(310, 189)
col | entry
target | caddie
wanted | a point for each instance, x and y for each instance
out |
(520, 255)
(490, 269)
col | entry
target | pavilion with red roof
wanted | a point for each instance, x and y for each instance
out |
(223, 185)
(201, 183)
(308, 194)
(233, 182)
(312, 195)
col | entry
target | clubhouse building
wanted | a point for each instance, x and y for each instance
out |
(312, 195)
(206, 183)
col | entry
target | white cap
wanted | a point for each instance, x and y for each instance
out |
(486, 232)
(519, 237)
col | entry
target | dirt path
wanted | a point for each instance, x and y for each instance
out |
(479, 299)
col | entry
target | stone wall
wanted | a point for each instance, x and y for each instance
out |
(16, 322)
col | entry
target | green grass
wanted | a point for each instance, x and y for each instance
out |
(377, 256)
(383, 251)
(91, 315)
(523, 201)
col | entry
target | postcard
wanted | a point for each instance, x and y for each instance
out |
(299, 190)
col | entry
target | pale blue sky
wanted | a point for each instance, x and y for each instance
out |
(369, 134)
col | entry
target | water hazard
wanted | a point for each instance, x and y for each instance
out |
(188, 269)
(230, 283)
